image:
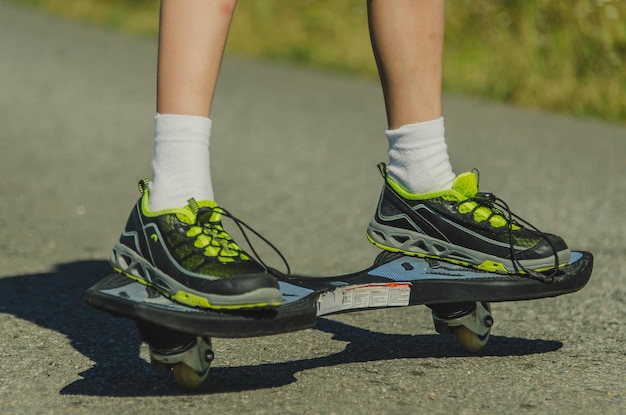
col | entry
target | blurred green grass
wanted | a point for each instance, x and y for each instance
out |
(566, 56)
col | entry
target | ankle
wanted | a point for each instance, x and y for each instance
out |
(418, 157)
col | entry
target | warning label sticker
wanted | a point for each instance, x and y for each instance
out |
(364, 296)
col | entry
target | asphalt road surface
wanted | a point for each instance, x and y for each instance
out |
(294, 155)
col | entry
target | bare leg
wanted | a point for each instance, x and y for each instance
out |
(407, 39)
(192, 38)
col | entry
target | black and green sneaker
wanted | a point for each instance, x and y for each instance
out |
(464, 226)
(187, 256)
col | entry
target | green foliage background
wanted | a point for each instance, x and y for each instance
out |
(565, 55)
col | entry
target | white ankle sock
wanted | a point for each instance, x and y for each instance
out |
(180, 162)
(418, 157)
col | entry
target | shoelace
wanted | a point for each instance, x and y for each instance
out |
(224, 239)
(500, 207)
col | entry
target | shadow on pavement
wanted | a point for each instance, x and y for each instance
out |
(55, 301)
(365, 346)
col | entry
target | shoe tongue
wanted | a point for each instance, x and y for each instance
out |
(466, 184)
(209, 215)
(200, 212)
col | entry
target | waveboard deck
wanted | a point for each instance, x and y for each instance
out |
(393, 280)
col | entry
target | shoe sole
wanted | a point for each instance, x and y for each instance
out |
(423, 246)
(128, 263)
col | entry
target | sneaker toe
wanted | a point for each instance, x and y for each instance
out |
(546, 248)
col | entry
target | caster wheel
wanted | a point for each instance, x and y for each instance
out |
(470, 341)
(187, 378)
(189, 362)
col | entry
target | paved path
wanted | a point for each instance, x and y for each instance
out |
(294, 154)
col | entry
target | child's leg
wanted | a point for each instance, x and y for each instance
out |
(192, 39)
(407, 39)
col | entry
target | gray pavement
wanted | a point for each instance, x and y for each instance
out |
(294, 154)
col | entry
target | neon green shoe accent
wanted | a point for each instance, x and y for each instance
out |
(562, 264)
(464, 188)
(492, 266)
(196, 301)
(389, 248)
